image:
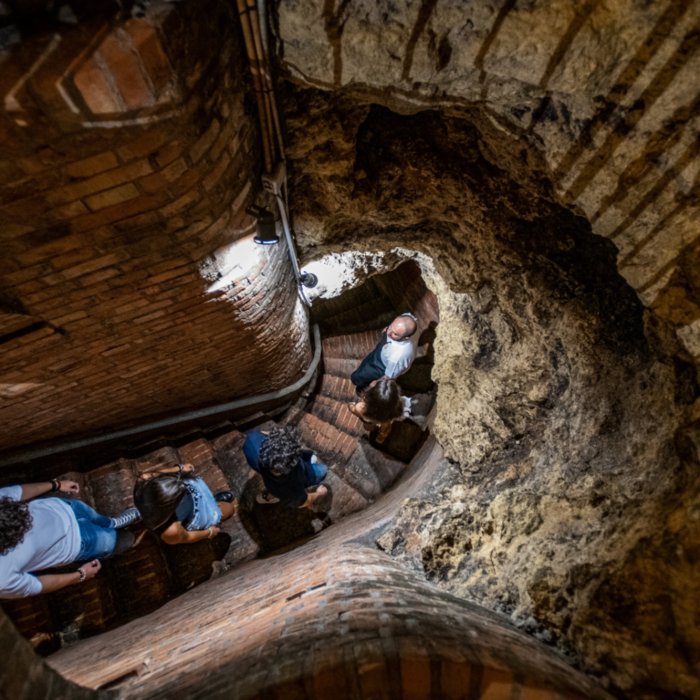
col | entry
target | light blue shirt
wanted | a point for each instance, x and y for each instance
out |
(52, 540)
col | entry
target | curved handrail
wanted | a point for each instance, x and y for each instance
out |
(59, 448)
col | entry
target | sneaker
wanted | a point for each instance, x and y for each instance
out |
(225, 496)
(265, 498)
(126, 518)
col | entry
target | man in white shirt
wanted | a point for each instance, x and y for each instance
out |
(393, 354)
(44, 533)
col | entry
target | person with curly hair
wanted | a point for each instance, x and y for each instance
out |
(287, 470)
(380, 405)
(179, 506)
(37, 534)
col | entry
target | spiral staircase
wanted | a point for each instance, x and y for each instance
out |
(360, 470)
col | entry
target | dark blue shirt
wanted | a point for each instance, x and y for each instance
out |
(290, 488)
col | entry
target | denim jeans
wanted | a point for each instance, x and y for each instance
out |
(314, 471)
(97, 536)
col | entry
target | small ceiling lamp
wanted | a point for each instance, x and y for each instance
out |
(265, 225)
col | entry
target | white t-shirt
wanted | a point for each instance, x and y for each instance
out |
(52, 540)
(398, 356)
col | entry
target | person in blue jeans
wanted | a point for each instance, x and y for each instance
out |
(179, 506)
(37, 534)
(287, 470)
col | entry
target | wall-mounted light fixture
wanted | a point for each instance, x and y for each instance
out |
(265, 225)
(308, 279)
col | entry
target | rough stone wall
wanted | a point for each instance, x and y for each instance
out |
(127, 157)
(569, 410)
(597, 98)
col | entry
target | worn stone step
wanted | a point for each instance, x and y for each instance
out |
(385, 468)
(337, 413)
(344, 498)
(358, 473)
(369, 471)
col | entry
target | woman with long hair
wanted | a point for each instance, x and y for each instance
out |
(179, 506)
(380, 405)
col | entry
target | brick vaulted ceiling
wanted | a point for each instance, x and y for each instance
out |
(127, 158)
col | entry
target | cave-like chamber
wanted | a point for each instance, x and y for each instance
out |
(522, 178)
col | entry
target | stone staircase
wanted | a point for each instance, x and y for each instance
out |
(144, 578)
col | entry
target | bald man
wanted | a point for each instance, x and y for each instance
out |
(393, 355)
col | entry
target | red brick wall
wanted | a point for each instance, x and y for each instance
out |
(332, 617)
(127, 158)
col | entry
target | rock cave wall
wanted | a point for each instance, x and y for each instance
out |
(520, 153)
(567, 400)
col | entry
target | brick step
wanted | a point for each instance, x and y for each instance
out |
(403, 289)
(84, 610)
(333, 446)
(202, 455)
(336, 413)
(112, 486)
(340, 366)
(214, 460)
(145, 577)
(323, 309)
(375, 313)
(167, 456)
(339, 388)
(351, 345)
(344, 456)
(83, 481)
(139, 579)
(228, 450)
(426, 309)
